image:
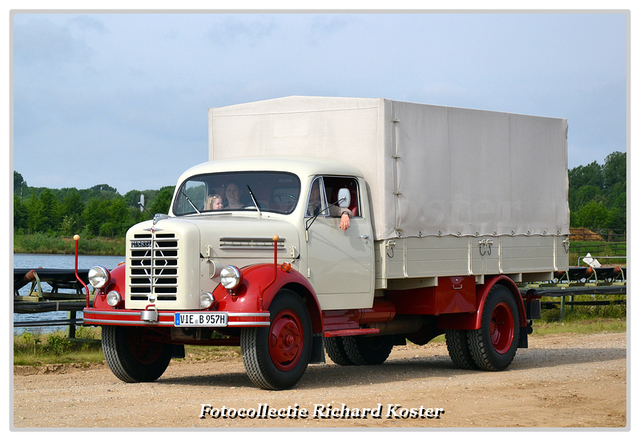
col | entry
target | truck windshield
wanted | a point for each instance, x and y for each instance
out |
(275, 192)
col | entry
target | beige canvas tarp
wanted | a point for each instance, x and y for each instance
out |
(432, 170)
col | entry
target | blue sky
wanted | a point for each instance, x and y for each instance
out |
(122, 98)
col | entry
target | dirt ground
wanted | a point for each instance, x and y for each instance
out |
(561, 380)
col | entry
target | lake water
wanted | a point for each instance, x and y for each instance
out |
(35, 261)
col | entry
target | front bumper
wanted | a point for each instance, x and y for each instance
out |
(128, 317)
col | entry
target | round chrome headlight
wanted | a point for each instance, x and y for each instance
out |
(99, 276)
(113, 298)
(206, 300)
(230, 277)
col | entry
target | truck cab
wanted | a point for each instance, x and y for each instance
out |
(275, 197)
(207, 266)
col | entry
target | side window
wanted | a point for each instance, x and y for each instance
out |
(317, 202)
(332, 186)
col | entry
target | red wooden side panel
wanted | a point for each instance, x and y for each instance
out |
(452, 295)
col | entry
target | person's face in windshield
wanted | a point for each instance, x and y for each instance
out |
(233, 196)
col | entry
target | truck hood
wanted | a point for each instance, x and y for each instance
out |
(238, 240)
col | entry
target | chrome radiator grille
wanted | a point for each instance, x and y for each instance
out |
(154, 267)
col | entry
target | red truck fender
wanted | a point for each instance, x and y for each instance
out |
(472, 321)
(259, 286)
(116, 283)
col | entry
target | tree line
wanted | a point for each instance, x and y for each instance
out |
(597, 200)
(97, 211)
(598, 194)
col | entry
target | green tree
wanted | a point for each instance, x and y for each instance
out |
(593, 215)
(597, 193)
(20, 214)
(614, 171)
(162, 201)
(117, 215)
(36, 222)
(18, 182)
(586, 175)
(580, 196)
(95, 215)
(72, 208)
(52, 211)
(104, 187)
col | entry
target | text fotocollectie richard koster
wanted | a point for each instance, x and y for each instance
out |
(321, 411)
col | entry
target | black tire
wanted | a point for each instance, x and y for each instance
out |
(132, 356)
(458, 347)
(279, 366)
(368, 350)
(494, 345)
(336, 351)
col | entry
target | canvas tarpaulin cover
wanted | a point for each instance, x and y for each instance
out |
(432, 170)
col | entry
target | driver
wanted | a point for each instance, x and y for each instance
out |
(233, 194)
(314, 208)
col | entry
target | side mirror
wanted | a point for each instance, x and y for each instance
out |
(344, 198)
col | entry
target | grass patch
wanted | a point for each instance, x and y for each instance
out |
(45, 244)
(586, 312)
(35, 348)
(580, 326)
(595, 248)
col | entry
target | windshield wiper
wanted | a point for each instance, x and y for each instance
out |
(189, 200)
(255, 201)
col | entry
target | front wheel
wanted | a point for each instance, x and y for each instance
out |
(276, 357)
(494, 345)
(132, 355)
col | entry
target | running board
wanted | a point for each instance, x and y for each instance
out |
(351, 332)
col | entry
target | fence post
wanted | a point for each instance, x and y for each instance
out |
(71, 329)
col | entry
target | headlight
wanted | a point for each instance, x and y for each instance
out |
(230, 277)
(113, 298)
(99, 276)
(206, 300)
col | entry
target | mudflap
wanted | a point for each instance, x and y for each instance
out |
(178, 351)
(523, 337)
(317, 350)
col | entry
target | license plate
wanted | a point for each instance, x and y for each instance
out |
(200, 319)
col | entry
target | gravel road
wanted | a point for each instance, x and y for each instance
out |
(561, 380)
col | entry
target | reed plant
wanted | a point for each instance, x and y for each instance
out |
(40, 243)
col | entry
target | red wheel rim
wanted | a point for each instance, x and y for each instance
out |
(143, 349)
(286, 340)
(502, 328)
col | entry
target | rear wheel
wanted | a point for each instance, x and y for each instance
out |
(132, 355)
(336, 351)
(277, 356)
(458, 348)
(368, 350)
(494, 345)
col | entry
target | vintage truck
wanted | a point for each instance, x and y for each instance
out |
(446, 211)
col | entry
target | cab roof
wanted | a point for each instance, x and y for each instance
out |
(301, 166)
